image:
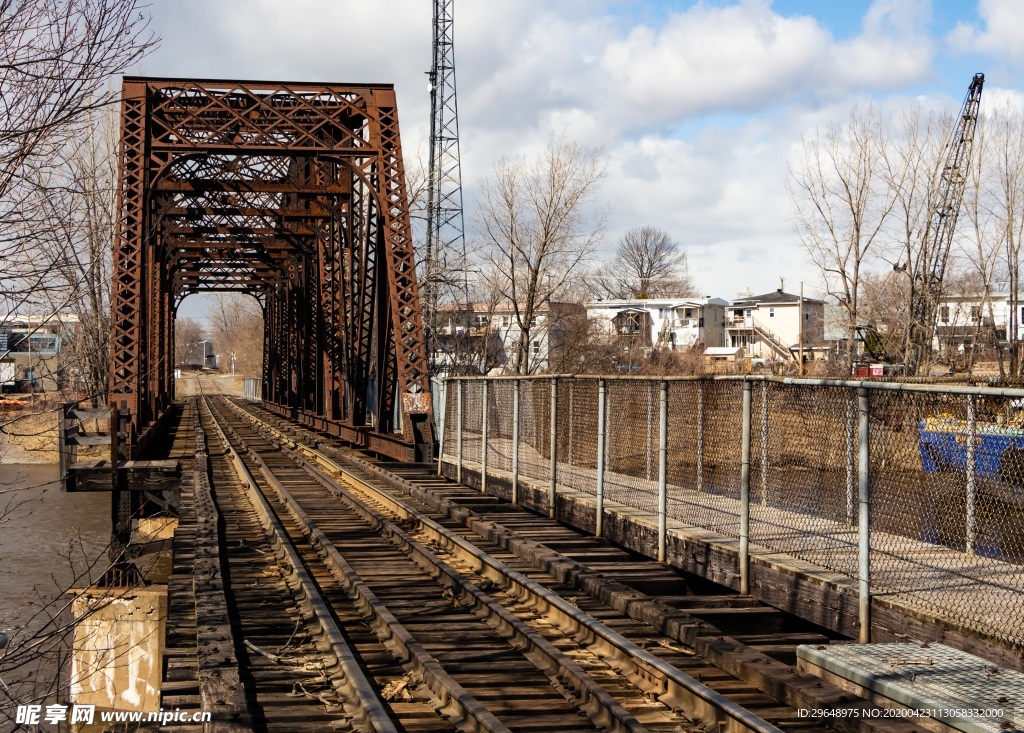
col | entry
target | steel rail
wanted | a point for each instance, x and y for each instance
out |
(362, 702)
(697, 700)
(588, 696)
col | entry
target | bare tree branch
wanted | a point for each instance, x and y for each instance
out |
(539, 228)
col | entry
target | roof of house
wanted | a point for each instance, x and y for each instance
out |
(649, 303)
(502, 308)
(776, 297)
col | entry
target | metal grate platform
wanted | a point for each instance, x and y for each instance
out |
(965, 692)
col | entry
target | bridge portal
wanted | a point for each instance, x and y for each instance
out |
(294, 193)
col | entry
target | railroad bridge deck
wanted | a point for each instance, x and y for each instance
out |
(316, 587)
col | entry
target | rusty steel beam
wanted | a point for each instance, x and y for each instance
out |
(294, 193)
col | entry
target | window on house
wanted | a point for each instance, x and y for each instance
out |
(689, 312)
(771, 313)
(505, 321)
(975, 313)
(944, 314)
(536, 347)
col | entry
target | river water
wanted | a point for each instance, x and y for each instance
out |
(49, 542)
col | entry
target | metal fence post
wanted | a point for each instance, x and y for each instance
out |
(851, 459)
(972, 488)
(515, 442)
(650, 432)
(572, 424)
(602, 398)
(864, 527)
(700, 435)
(442, 429)
(764, 443)
(745, 492)
(458, 436)
(62, 447)
(483, 441)
(553, 486)
(663, 473)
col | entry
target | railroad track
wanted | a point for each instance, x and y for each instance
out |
(359, 596)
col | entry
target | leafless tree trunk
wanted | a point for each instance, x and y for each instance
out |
(980, 249)
(57, 60)
(236, 325)
(647, 264)
(911, 166)
(1006, 196)
(77, 208)
(188, 333)
(539, 228)
(842, 203)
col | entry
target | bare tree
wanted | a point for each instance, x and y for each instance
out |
(76, 199)
(58, 57)
(187, 334)
(884, 305)
(647, 264)
(1005, 195)
(841, 203)
(57, 60)
(979, 250)
(911, 166)
(236, 325)
(539, 228)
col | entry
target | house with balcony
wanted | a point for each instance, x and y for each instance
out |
(768, 326)
(30, 352)
(660, 323)
(976, 319)
(481, 338)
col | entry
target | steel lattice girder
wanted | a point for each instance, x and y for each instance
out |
(294, 193)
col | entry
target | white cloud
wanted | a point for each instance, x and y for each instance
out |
(743, 81)
(998, 34)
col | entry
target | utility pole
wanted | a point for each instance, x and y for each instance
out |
(445, 225)
(800, 315)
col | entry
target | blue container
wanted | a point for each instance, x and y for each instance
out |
(946, 450)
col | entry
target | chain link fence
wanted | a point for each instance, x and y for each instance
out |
(916, 491)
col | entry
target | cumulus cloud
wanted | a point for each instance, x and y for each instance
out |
(998, 34)
(697, 112)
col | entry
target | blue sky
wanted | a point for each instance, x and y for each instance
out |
(699, 107)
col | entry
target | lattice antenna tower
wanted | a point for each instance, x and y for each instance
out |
(445, 225)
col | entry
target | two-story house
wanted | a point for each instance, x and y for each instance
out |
(479, 338)
(661, 323)
(964, 320)
(30, 352)
(768, 326)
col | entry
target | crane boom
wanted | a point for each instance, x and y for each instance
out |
(942, 218)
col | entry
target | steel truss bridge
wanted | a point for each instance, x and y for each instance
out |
(294, 194)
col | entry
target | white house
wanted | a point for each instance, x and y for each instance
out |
(664, 323)
(975, 318)
(768, 326)
(464, 338)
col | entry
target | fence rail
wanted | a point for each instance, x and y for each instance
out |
(914, 491)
